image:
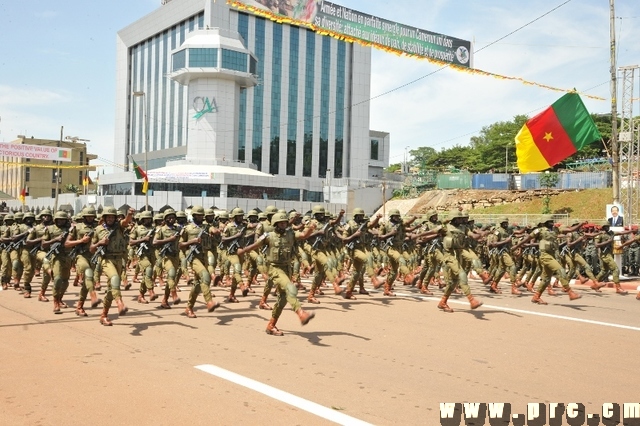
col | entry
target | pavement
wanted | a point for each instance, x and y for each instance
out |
(374, 360)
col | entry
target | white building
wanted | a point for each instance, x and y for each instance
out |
(233, 109)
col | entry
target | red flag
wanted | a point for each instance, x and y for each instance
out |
(23, 195)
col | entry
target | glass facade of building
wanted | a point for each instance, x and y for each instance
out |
(293, 121)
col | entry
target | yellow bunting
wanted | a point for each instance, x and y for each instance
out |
(322, 31)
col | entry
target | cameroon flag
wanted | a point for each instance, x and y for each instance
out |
(141, 174)
(556, 133)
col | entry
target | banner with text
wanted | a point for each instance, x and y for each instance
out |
(35, 152)
(351, 25)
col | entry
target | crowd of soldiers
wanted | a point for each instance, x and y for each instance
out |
(235, 249)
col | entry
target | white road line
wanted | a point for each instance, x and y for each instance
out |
(522, 311)
(287, 398)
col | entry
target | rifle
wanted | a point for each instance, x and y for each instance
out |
(143, 246)
(193, 248)
(100, 251)
(20, 242)
(235, 244)
(351, 244)
(76, 250)
(167, 247)
(35, 249)
(55, 247)
(319, 238)
(388, 242)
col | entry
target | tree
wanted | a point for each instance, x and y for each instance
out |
(548, 180)
(422, 156)
(394, 168)
(71, 188)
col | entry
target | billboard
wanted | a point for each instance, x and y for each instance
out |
(347, 24)
(36, 152)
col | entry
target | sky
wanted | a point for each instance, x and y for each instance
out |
(57, 66)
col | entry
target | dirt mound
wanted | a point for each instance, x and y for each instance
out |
(469, 199)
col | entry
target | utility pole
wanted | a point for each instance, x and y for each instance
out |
(615, 150)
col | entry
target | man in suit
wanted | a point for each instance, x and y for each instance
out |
(615, 219)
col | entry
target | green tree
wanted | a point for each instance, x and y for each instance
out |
(548, 180)
(394, 168)
(71, 188)
(422, 156)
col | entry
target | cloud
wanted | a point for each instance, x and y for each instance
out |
(30, 96)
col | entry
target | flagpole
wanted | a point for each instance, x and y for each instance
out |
(55, 203)
(615, 154)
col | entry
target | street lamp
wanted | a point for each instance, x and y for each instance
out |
(406, 166)
(506, 158)
(143, 95)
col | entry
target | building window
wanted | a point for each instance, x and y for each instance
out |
(80, 178)
(81, 157)
(54, 174)
(312, 196)
(258, 95)
(27, 174)
(325, 89)
(200, 57)
(309, 79)
(187, 189)
(233, 60)
(263, 193)
(53, 193)
(179, 60)
(374, 149)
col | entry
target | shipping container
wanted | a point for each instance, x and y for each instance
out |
(493, 181)
(454, 181)
(586, 180)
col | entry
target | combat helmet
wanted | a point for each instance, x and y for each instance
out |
(169, 212)
(61, 214)
(394, 212)
(358, 211)
(109, 211)
(279, 217)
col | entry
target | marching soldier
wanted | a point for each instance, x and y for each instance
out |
(548, 246)
(140, 238)
(502, 244)
(324, 269)
(453, 243)
(393, 234)
(80, 242)
(280, 252)
(41, 260)
(27, 259)
(604, 242)
(166, 239)
(53, 240)
(110, 241)
(193, 242)
(356, 243)
(232, 240)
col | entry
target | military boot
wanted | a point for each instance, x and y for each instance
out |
(304, 316)
(272, 329)
(443, 305)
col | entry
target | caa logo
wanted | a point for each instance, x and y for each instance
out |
(204, 106)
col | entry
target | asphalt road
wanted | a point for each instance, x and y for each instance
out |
(377, 359)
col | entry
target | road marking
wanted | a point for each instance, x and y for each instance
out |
(287, 398)
(522, 311)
